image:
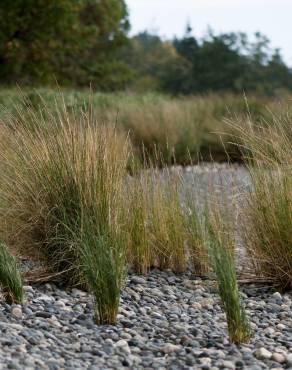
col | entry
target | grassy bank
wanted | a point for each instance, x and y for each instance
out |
(183, 130)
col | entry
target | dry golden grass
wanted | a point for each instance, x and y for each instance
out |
(156, 224)
(180, 128)
(140, 255)
(268, 209)
(167, 231)
(195, 236)
(70, 196)
(61, 200)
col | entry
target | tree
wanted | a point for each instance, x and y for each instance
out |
(102, 31)
(278, 75)
(151, 60)
(218, 65)
(74, 41)
(29, 37)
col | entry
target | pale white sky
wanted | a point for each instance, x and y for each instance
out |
(169, 17)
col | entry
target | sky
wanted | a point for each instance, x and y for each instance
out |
(169, 17)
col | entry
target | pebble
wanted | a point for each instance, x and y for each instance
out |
(228, 365)
(278, 357)
(263, 354)
(138, 280)
(123, 345)
(277, 296)
(289, 359)
(16, 312)
(170, 348)
(43, 314)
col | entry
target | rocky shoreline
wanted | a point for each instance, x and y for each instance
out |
(165, 322)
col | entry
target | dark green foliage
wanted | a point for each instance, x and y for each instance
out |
(223, 62)
(84, 42)
(31, 35)
(101, 31)
(73, 41)
(10, 278)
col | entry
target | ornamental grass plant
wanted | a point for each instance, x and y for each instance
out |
(61, 199)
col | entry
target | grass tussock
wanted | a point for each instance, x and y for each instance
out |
(60, 199)
(195, 234)
(164, 229)
(137, 198)
(10, 277)
(220, 244)
(167, 230)
(156, 222)
(268, 210)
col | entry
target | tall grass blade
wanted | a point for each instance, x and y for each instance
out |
(10, 277)
(220, 246)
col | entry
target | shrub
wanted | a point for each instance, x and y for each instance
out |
(10, 277)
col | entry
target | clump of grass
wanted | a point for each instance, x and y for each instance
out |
(173, 126)
(268, 224)
(267, 216)
(220, 244)
(167, 231)
(61, 200)
(104, 269)
(137, 198)
(155, 224)
(10, 277)
(195, 234)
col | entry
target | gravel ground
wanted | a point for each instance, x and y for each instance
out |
(165, 322)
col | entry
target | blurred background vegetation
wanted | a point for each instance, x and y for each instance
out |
(78, 43)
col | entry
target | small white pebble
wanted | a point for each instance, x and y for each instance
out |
(281, 326)
(263, 354)
(228, 365)
(277, 296)
(170, 348)
(279, 357)
(16, 312)
(123, 345)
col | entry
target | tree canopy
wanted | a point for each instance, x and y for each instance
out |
(86, 42)
(73, 41)
(224, 62)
